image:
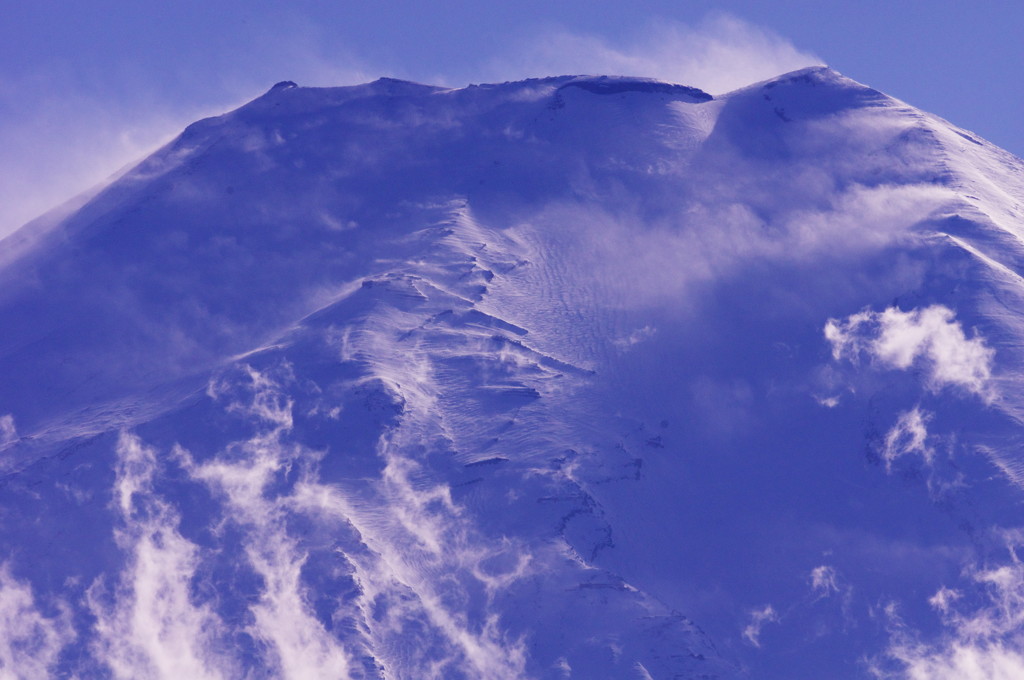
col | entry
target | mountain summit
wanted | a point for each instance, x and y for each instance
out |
(574, 377)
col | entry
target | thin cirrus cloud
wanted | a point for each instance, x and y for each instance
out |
(720, 54)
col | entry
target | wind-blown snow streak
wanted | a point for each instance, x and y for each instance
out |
(282, 618)
(720, 54)
(150, 626)
(30, 641)
(406, 535)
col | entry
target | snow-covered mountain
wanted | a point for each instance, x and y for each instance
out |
(575, 377)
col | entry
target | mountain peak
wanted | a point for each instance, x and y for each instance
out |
(395, 380)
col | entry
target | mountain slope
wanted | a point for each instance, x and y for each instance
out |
(572, 377)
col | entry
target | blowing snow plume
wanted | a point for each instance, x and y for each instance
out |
(720, 54)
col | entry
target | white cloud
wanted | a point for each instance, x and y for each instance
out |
(982, 644)
(149, 626)
(30, 642)
(931, 337)
(908, 435)
(758, 619)
(824, 581)
(263, 400)
(943, 599)
(720, 54)
(959, 662)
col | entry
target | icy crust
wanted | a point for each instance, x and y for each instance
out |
(526, 380)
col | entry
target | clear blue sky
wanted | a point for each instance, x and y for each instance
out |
(87, 87)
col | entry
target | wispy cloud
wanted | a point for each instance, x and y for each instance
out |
(930, 336)
(983, 643)
(759, 618)
(909, 435)
(719, 54)
(824, 581)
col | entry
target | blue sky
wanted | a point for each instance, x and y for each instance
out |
(88, 87)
